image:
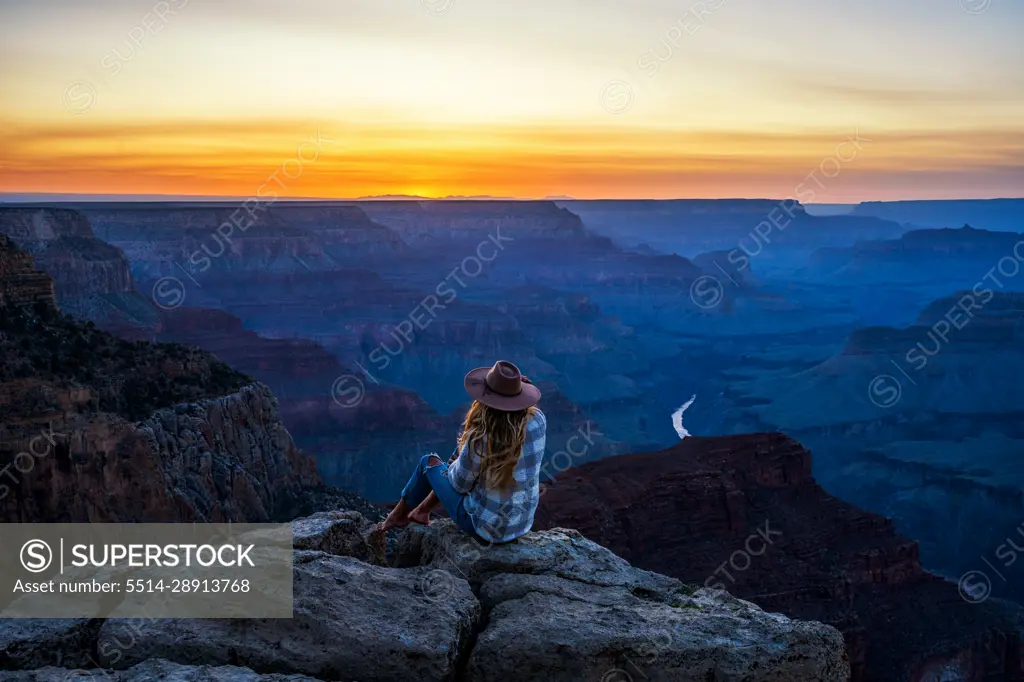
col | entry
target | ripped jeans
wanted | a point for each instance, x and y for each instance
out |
(427, 477)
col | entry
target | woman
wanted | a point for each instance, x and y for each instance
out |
(491, 485)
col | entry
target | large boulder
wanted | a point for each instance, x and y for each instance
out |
(560, 607)
(343, 533)
(606, 633)
(351, 621)
(559, 552)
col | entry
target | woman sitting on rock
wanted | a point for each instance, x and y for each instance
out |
(490, 486)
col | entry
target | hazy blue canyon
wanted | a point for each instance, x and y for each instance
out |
(888, 338)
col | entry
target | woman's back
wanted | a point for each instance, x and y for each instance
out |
(502, 507)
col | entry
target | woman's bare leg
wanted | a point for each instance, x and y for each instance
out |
(401, 515)
(421, 514)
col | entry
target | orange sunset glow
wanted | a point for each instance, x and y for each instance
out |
(465, 98)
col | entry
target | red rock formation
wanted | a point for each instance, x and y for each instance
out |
(744, 513)
(98, 429)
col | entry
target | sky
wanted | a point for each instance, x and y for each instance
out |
(865, 100)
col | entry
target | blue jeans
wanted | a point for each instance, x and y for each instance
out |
(427, 477)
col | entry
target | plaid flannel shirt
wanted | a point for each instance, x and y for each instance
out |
(503, 516)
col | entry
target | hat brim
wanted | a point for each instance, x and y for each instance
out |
(476, 387)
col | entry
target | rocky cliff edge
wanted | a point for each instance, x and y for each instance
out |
(551, 606)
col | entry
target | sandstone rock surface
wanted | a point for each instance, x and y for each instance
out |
(551, 606)
(560, 607)
(344, 533)
(351, 621)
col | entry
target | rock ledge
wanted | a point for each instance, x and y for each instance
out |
(551, 606)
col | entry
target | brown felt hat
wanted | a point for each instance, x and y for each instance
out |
(502, 387)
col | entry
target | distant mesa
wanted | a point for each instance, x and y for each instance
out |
(1004, 215)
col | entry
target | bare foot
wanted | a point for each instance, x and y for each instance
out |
(420, 515)
(393, 522)
(398, 518)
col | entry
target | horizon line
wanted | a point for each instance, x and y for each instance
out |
(56, 197)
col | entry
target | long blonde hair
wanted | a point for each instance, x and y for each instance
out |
(497, 437)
